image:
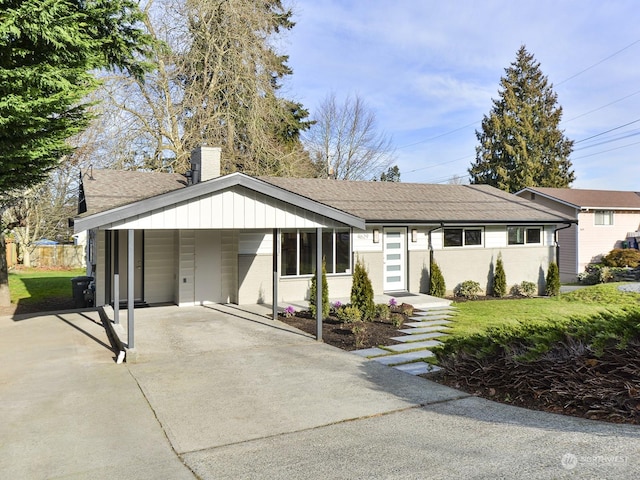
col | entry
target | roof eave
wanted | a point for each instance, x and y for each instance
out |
(100, 219)
(471, 222)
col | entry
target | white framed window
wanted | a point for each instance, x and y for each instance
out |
(603, 217)
(462, 237)
(523, 235)
(298, 252)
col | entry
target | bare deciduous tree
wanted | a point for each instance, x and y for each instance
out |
(217, 82)
(345, 143)
(43, 211)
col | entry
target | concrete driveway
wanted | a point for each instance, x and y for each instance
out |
(221, 393)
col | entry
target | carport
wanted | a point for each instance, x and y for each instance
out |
(195, 232)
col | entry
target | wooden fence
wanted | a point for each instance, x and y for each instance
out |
(49, 256)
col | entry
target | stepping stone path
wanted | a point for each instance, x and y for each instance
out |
(427, 324)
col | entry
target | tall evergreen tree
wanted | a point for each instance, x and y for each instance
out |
(520, 143)
(48, 51)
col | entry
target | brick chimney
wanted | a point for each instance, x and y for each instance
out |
(205, 163)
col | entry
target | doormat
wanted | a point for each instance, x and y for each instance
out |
(401, 294)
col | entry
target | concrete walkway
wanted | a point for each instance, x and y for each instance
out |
(427, 326)
(219, 393)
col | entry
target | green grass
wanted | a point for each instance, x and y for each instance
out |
(599, 315)
(30, 286)
(477, 317)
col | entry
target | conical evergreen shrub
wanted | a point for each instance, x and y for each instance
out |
(362, 291)
(437, 287)
(553, 280)
(499, 279)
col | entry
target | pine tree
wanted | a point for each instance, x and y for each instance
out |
(499, 279)
(48, 51)
(520, 143)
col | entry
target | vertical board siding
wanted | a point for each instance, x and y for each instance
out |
(186, 266)
(159, 268)
(229, 266)
(100, 267)
(236, 207)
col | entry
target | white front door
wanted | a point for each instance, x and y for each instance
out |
(394, 250)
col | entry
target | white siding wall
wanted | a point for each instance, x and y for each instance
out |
(99, 274)
(229, 266)
(495, 236)
(186, 267)
(159, 267)
(255, 242)
(362, 240)
(237, 207)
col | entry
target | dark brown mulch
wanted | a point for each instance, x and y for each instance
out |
(577, 383)
(335, 333)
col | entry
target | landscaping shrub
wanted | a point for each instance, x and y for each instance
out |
(553, 280)
(349, 314)
(525, 289)
(468, 289)
(397, 319)
(325, 293)
(597, 273)
(406, 309)
(359, 330)
(437, 286)
(622, 257)
(362, 292)
(383, 311)
(499, 279)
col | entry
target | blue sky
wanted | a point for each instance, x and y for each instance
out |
(429, 70)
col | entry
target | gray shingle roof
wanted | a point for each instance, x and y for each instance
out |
(612, 199)
(372, 201)
(107, 189)
(418, 202)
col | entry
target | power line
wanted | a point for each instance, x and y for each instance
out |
(607, 151)
(603, 106)
(598, 63)
(437, 136)
(607, 131)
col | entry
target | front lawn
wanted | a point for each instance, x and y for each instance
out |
(475, 317)
(576, 354)
(34, 290)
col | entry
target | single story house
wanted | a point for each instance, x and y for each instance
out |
(240, 239)
(605, 219)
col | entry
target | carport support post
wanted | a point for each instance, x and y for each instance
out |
(130, 289)
(274, 302)
(116, 278)
(319, 284)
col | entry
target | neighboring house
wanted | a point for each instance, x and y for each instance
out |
(606, 219)
(240, 239)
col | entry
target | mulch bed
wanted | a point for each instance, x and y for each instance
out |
(338, 334)
(570, 380)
